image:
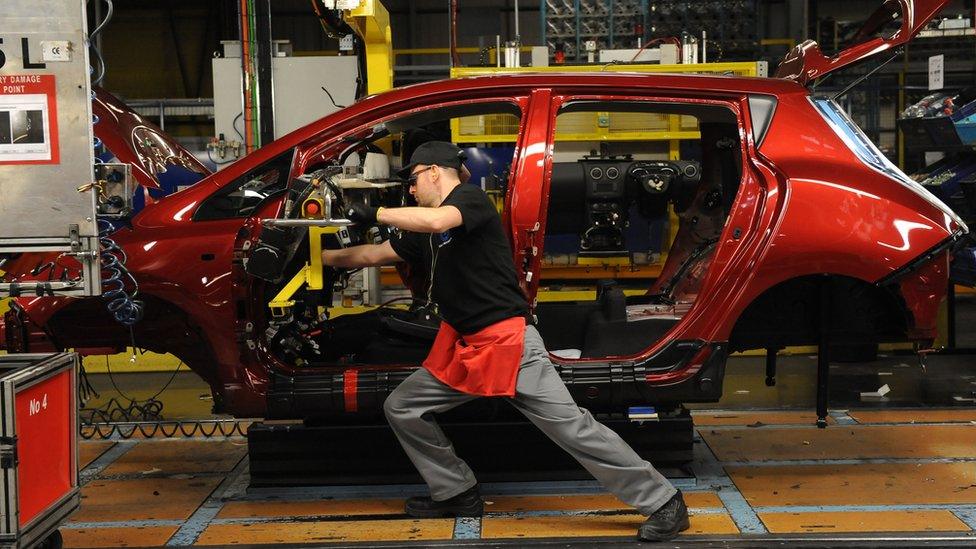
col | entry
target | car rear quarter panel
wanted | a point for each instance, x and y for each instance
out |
(838, 216)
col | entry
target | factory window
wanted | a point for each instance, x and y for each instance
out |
(243, 195)
(639, 194)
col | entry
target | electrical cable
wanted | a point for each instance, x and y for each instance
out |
(121, 303)
(234, 124)
(338, 106)
(91, 41)
(323, 20)
(150, 429)
(148, 409)
(105, 20)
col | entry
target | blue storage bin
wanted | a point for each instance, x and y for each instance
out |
(966, 128)
(964, 120)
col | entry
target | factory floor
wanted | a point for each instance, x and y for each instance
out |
(884, 467)
(891, 470)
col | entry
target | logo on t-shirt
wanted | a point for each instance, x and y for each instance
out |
(443, 239)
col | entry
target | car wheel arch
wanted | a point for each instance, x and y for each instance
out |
(788, 312)
(184, 339)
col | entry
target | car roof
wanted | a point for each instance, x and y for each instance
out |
(502, 85)
(620, 79)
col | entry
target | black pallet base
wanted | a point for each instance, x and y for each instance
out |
(297, 455)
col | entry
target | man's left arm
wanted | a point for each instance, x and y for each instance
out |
(421, 220)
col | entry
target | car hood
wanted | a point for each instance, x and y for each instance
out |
(138, 142)
(805, 63)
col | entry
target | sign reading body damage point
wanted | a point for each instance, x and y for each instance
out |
(28, 119)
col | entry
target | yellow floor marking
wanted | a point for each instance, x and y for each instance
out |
(859, 521)
(143, 499)
(180, 456)
(914, 416)
(246, 509)
(704, 418)
(149, 536)
(122, 363)
(596, 502)
(592, 526)
(843, 442)
(325, 532)
(859, 484)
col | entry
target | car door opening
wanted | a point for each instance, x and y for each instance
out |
(635, 199)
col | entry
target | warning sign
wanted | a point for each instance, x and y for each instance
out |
(28, 119)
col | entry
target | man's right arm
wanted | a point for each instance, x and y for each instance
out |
(366, 255)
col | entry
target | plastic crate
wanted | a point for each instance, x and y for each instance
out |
(966, 128)
(929, 133)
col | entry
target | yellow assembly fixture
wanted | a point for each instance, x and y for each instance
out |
(313, 208)
(371, 22)
(310, 275)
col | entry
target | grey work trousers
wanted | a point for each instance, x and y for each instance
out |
(542, 396)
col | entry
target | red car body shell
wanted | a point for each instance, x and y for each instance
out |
(806, 205)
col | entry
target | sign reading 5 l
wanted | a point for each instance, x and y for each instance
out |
(25, 51)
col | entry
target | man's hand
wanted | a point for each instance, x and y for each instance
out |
(358, 212)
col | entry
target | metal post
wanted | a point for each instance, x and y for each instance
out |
(265, 106)
(951, 316)
(371, 283)
(771, 366)
(518, 38)
(823, 354)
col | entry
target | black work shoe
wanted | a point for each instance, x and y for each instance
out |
(465, 504)
(667, 521)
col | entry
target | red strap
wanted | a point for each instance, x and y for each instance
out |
(350, 388)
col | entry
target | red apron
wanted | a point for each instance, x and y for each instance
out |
(485, 363)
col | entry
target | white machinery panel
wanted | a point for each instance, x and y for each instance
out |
(298, 96)
(46, 135)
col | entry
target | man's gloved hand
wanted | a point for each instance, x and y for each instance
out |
(358, 212)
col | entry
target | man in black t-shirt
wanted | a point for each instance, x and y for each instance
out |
(485, 348)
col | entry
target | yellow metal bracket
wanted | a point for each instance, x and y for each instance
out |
(371, 22)
(310, 275)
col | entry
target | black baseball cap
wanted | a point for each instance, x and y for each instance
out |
(434, 153)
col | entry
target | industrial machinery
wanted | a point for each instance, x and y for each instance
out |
(573, 29)
(298, 325)
(46, 160)
(276, 86)
(46, 149)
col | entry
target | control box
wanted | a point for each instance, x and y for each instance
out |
(46, 137)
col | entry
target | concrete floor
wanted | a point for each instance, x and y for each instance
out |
(901, 466)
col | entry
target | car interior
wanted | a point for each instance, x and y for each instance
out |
(619, 199)
(626, 202)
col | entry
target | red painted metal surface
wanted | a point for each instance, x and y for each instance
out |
(806, 62)
(806, 205)
(350, 388)
(45, 444)
(138, 142)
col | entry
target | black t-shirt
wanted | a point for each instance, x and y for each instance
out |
(474, 283)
